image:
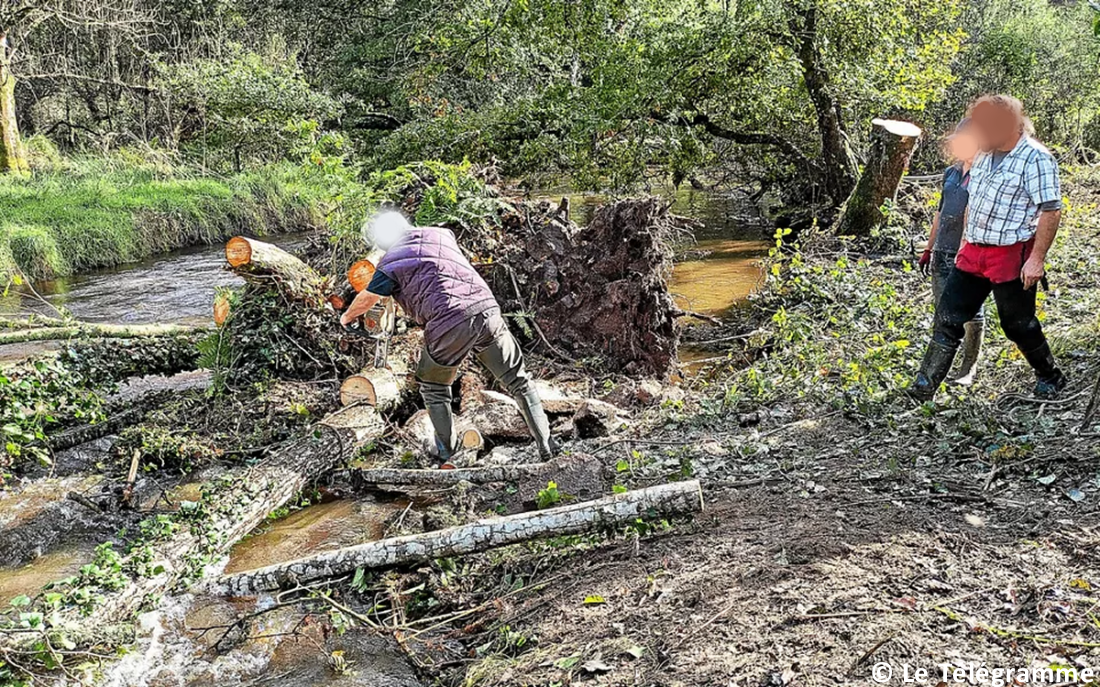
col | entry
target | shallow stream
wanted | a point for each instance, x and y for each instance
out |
(712, 277)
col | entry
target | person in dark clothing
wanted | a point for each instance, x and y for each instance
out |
(1012, 218)
(947, 235)
(424, 270)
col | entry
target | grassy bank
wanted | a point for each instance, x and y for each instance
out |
(95, 212)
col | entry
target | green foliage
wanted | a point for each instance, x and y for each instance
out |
(251, 106)
(550, 496)
(177, 451)
(109, 210)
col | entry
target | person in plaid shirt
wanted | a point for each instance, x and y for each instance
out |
(1014, 210)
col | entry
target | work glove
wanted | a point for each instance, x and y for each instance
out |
(925, 262)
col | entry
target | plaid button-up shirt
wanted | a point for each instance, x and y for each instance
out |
(1004, 202)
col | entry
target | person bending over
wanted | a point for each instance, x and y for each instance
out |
(424, 270)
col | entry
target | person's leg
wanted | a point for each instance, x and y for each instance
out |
(502, 356)
(1016, 307)
(962, 298)
(435, 388)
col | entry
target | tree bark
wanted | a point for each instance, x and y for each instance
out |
(891, 150)
(13, 157)
(258, 261)
(448, 478)
(838, 160)
(608, 512)
(234, 512)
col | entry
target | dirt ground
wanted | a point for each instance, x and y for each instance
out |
(830, 567)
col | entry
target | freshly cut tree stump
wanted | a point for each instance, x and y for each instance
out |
(248, 495)
(608, 512)
(258, 261)
(374, 386)
(893, 146)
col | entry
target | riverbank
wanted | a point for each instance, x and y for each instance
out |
(77, 214)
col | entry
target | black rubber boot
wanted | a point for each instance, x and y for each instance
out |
(933, 370)
(530, 407)
(1049, 380)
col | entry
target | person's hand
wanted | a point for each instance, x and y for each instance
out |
(925, 261)
(1033, 272)
(347, 318)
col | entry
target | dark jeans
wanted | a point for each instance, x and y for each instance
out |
(943, 264)
(962, 299)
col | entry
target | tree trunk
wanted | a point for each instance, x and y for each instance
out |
(258, 261)
(605, 513)
(12, 155)
(837, 157)
(103, 331)
(893, 145)
(399, 477)
(248, 495)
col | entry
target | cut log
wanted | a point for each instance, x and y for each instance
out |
(609, 512)
(87, 329)
(221, 308)
(362, 272)
(247, 496)
(419, 431)
(892, 147)
(378, 387)
(553, 401)
(258, 261)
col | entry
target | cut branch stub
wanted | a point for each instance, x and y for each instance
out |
(221, 308)
(482, 535)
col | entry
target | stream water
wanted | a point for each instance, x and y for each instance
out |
(711, 277)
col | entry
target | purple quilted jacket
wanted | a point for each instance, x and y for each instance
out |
(436, 285)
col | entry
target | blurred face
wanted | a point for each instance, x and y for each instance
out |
(997, 127)
(963, 146)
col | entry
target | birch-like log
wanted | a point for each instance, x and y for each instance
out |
(103, 331)
(257, 491)
(374, 386)
(399, 477)
(609, 512)
(892, 146)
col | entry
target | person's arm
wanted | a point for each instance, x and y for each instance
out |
(1043, 186)
(380, 287)
(926, 256)
(1034, 268)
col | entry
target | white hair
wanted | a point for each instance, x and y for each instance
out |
(385, 229)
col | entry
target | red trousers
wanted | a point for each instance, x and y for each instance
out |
(998, 264)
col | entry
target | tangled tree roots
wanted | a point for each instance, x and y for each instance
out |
(601, 292)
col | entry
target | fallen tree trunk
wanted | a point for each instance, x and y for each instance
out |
(87, 329)
(229, 510)
(609, 512)
(893, 146)
(399, 477)
(258, 261)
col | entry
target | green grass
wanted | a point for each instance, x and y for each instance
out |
(102, 211)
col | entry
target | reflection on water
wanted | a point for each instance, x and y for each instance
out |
(50, 567)
(721, 278)
(173, 287)
(321, 527)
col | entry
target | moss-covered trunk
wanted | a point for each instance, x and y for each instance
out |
(892, 147)
(12, 156)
